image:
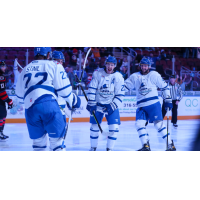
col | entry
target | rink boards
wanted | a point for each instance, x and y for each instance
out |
(189, 108)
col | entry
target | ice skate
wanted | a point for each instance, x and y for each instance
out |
(3, 137)
(145, 147)
(93, 149)
(171, 147)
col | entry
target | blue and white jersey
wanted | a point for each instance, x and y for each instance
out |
(146, 87)
(42, 77)
(106, 88)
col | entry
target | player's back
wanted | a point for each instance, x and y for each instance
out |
(37, 81)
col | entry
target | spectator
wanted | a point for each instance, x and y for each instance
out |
(92, 66)
(184, 85)
(103, 52)
(179, 80)
(119, 64)
(153, 61)
(71, 77)
(162, 55)
(133, 66)
(124, 72)
(194, 52)
(84, 78)
(169, 55)
(110, 51)
(96, 53)
(73, 60)
(124, 64)
(82, 60)
(186, 53)
(67, 69)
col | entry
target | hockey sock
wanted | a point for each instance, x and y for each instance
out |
(161, 128)
(112, 139)
(4, 121)
(1, 125)
(94, 135)
(142, 132)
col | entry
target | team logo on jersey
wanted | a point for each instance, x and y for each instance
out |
(105, 91)
(1, 77)
(113, 81)
(143, 89)
(104, 86)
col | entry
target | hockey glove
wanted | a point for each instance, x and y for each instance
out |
(76, 102)
(91, 107)
(168, 104)
(110, 108)
(10, 103)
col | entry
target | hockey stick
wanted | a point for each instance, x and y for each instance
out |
(167, 125)
(70, 118)
(102, 132)
(18, 64)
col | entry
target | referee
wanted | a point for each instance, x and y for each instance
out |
(175, 91)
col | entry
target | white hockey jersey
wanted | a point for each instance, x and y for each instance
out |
(42, 77)
(106, 88)
(146, 87)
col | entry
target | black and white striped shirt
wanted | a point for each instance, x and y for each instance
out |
(175, 91)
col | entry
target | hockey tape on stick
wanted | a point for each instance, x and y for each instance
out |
(84, 65)
(19, 64)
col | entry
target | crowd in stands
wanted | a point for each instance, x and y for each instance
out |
(161, 59)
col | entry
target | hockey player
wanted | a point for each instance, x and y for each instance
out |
(38, 85)
(105, 93)
(3, 100)
(149, 107)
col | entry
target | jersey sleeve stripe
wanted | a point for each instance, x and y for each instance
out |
(115, 104)
(66, 96)
(4, 98)
(126, 87)
(63, 88)
(118, 99)
(3, 93)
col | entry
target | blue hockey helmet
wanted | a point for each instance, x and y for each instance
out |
(145, 61)
(111, 59)
(58, 55)
(43, 51)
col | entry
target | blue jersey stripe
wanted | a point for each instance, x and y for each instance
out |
(120, 95)
(63, 88)
(91, 93)
(118, 99)
(147, 99)
(126, 87)
(66, 96)
(19, 97)
(93, 88)
(45, 87)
